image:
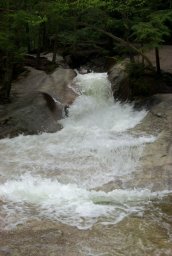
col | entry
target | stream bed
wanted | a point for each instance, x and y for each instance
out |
(62, 178)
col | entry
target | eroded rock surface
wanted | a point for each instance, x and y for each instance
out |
(156, 161)
(29, 112)
(146, 234)
(118, 77)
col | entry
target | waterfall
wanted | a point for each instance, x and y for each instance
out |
(61, 176)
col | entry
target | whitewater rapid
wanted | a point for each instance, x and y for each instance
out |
(57, 176)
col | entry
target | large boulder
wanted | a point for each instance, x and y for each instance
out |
(118, 76)
(39, 101)
(133, 81)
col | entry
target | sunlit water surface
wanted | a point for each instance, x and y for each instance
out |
(56, 176)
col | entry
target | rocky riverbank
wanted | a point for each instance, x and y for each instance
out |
(147, 233)
(37, 102)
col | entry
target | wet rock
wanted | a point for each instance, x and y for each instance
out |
(142, 233)
(133, 81)
(93, 59)
(156, 161)
(31, 112)
(118, 77)
(83, 70)
(5, 251)
(49, 57)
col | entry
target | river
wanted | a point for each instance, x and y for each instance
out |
(63, 177)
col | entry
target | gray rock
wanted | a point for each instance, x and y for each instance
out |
(118, 77)
(40, 101)
(5, 251)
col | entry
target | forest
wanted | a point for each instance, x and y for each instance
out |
(80, 29)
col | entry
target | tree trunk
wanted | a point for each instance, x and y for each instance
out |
(132, 59)
(170, 4)
(39, 45)
(8, 63)
(143, 61)
(38, 57)
(126, 37)
(127, 44)
(158, 68)
(28, 37)
(44, 36)
(54, 50)
(6, 88)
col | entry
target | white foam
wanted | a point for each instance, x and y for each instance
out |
(95, 109)
(76, 155)
(92, 149)
(72, 204)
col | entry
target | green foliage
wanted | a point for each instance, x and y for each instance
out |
(142, 80)
(135, 69)
(35, 26)
(150, 35)
(126, 6)
(153, 31)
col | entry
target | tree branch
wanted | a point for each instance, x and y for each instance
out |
(122, 41)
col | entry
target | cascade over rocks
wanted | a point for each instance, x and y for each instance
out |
(39, 101)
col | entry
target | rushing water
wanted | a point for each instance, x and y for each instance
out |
(60, 176)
